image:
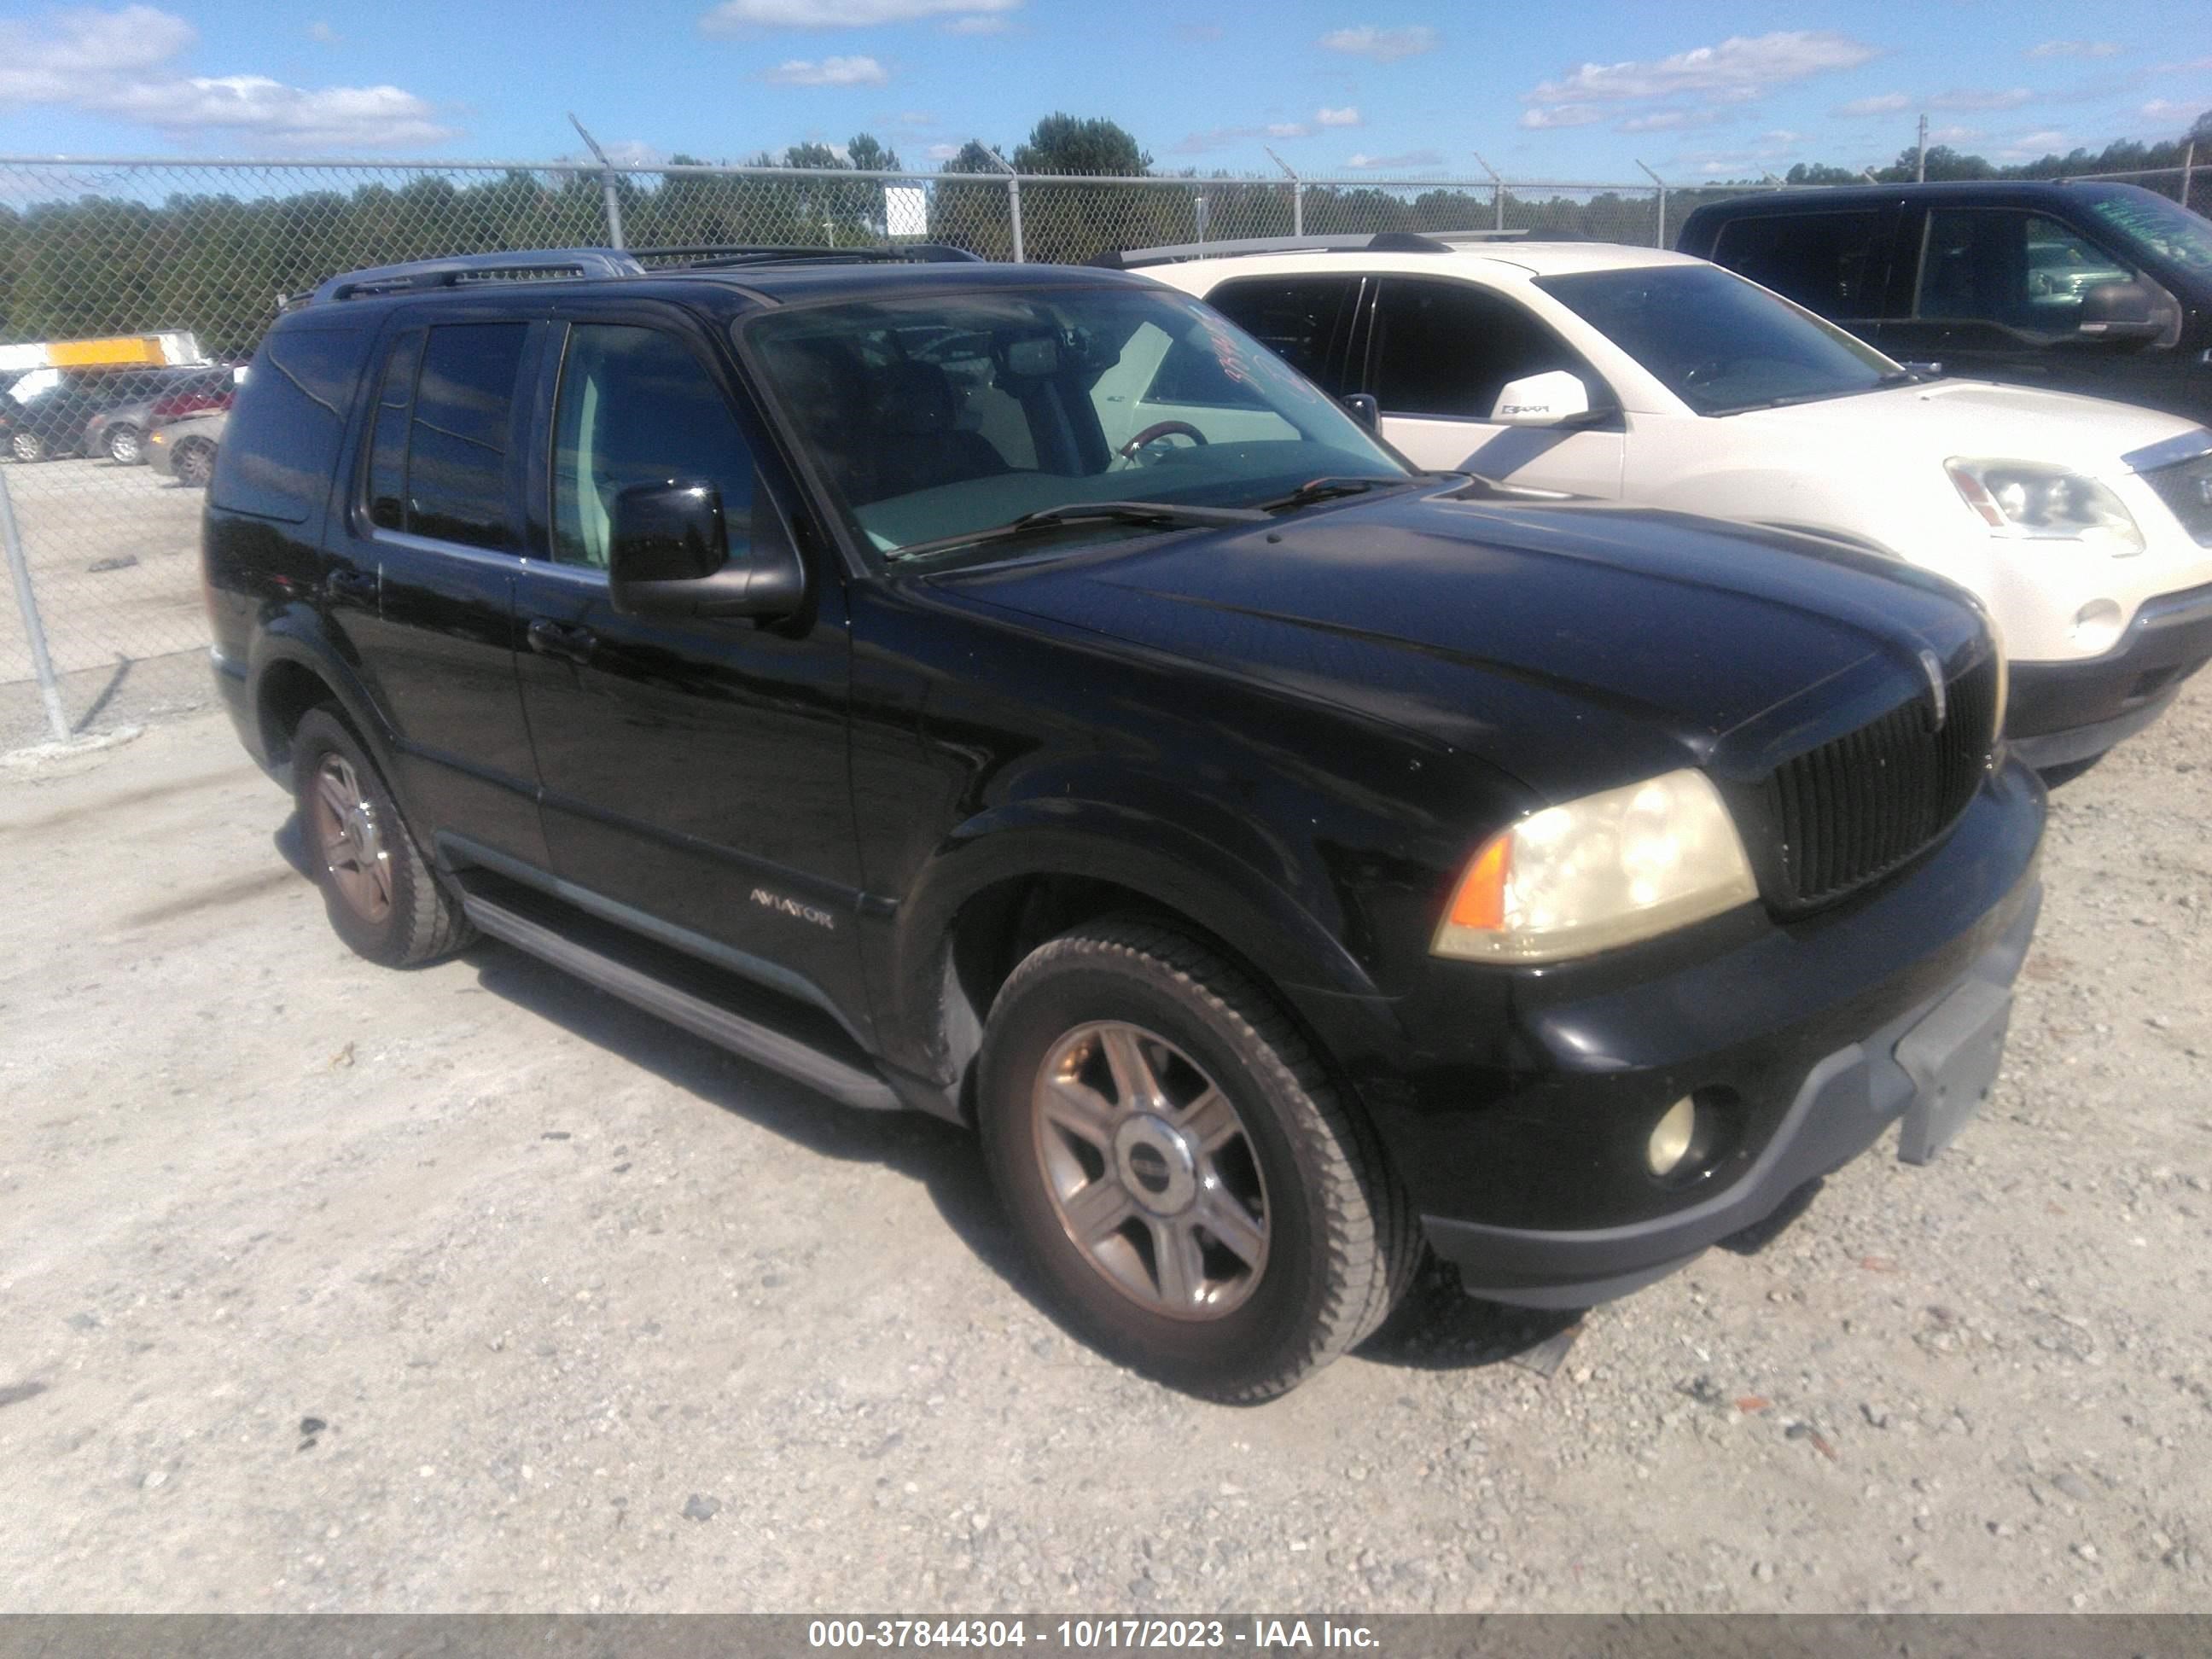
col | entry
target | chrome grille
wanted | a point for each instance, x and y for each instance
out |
(1859, 806)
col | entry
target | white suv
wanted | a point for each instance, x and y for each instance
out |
(1636, 374)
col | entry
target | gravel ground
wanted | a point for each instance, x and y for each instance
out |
(329, 1288)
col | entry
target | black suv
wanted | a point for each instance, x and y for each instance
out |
(1012, 693)
(2076, 286)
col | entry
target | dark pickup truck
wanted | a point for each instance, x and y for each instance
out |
(1010, 692)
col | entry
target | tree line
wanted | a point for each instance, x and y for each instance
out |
(216, 261)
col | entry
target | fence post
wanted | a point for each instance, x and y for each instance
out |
(27, 601)
(1013, 200)
(1497, 190)
(607, 193)
(1297, 194)
(2188, 166)
(1659, 240)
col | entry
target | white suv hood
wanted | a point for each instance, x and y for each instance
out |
(1944, 418)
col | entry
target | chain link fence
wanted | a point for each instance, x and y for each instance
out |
(107, 625)
(103, 548)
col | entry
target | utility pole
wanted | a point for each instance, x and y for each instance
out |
(1920, 166)
(1497, 189)
(1659, 240)
(1013, 199)
(1299, 193)
(606, 182)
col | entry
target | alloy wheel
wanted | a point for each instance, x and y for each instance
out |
(1150, 1170)
(350, 841)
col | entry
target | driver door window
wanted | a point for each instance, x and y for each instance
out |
(2018, 271)
(637, 407)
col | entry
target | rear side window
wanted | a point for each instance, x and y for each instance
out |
(279, 448)
(457, 441)
(1297, 319)
(1449, 348)
(1836, 264)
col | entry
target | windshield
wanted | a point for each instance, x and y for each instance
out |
(1718, 343)
(2158, 227)
(937, 415)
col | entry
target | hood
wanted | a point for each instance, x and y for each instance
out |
(1980, 418)
(1515, 632)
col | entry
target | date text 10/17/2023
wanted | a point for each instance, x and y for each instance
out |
(1089, 1635)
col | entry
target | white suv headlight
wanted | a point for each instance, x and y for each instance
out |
(1604, 870)
(2040, 502)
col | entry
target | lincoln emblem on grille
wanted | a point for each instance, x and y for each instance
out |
(1938, 701)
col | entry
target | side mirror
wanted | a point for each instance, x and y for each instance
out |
(2119, 311)
(1362, 407)
(669, 555)
(1552, 398)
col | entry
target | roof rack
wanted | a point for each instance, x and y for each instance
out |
(730, 255)
(1381, 241)
(552, 265)
(459, 269)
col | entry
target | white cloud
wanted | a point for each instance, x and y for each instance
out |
(830, 72)
(1888, 103)
(2032, 145)
(1409, 159)
(1953, 134)
(1348, 116)
(942, 152)
(323, 34)
(1289, 130)
(982, 24)
(2075, 49)
(1666, 120)
(123, 64)
(733, 16)
(1562, 115)
(1383, 45)
(1739, 67)
(1980, 98)
(2162, 109)
(634, 153)
(1197, 144)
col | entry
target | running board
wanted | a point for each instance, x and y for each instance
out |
(842, 1080)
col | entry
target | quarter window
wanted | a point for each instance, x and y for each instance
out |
(637, 408)
(1449, 348)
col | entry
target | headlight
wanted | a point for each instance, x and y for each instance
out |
(1604, 870)
(2037, 502)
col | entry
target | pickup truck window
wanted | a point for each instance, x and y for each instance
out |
(637, 408)
(2020, 271)
(1833, 263)
(933, 416)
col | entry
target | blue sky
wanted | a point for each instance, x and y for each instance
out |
(1567, 92)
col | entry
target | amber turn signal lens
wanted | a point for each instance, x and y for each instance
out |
(1480, 901)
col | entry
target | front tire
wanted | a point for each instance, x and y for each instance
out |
(126, 446)
(195, 462)
(383, 898)
(1179, 1168)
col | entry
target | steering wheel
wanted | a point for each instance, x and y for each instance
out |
(1155, 431)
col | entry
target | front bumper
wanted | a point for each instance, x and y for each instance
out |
(2060, 713)
(1930, 1066)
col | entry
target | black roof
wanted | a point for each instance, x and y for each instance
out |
(1948, 190)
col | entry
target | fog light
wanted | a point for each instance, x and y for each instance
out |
(1672, 1137)
(2096, 625)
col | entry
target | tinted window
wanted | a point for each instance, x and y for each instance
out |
(1449, 349)
(279, 451)
(1836, 264)
(1191, 374)
(457, 441)
(1715, 341)
(637, 408)
(387, 452)
(1296, 319)
(2019, 270)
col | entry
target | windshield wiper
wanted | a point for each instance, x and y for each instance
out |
(1324, 489)
(1168, 514)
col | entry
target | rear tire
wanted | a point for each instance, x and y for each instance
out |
(27, 446)
(1232, 1225)
(383, 898)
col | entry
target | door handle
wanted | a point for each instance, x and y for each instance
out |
(562, 639)
(351, 585)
